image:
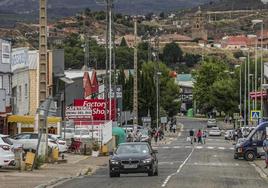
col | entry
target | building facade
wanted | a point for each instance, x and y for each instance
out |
(5, 84)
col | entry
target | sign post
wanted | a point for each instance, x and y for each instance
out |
(255, 115)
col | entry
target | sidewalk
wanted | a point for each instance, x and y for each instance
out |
(50, 174)
(261, 164)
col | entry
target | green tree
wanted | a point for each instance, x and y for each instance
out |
(172, 53)
(210, 71)
(123, 42)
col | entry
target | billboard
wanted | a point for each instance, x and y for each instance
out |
(19, 59)
(98, 107)
(78, 112)
(6, 51)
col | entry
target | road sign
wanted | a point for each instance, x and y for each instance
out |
(236, 116)
(255, 114)
(146, 119)
(163, 119)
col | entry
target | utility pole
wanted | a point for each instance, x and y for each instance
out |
(110, 59)
(86, 45)
(157, 80)
(42, 123)
(135, 89)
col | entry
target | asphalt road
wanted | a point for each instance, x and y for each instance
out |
(182, 165)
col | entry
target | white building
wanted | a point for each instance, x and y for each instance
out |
(20, 80)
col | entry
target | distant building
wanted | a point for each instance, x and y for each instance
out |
(130, 39)
(238, 42)
(5, 84)
(185, 81)
(198, 26)
(177, 38)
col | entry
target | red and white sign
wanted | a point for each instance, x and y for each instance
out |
(78, 112)
(98, 107)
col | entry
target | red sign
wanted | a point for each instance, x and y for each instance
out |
(98, 107)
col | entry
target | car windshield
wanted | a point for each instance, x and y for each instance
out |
(6, 140)
(133, 149)
(68, 130)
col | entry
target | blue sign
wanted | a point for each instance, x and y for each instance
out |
(255, 114)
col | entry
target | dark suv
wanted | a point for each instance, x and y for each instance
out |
(134, 157)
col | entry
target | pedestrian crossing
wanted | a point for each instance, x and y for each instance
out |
(196, 147)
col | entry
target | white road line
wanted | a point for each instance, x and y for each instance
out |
(166, 147)
(179, 169)
(232, 148)
(199, 147)
(221, 148)
(177, 147)
(210, 147)
(188, 147)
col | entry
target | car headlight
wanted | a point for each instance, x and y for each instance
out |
(146, 161)
(114, 162)
(239, 150)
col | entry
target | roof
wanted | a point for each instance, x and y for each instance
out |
(73, 74)
(236, 40)
(174, 37)
(184, 77)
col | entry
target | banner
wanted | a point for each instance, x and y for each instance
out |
(19, 59)
(78, 112)
(98, 107)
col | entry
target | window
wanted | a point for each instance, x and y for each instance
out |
(259, 135)
(26, 91)
(34, 136)
(19, 93)
(1, 82)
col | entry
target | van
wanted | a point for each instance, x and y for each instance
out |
(252, 147)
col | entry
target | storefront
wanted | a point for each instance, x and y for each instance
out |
(27, 124)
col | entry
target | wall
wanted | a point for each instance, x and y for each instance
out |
(74, 91)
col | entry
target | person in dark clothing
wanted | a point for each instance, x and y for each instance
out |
(191, 133)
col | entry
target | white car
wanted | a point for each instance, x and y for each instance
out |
(7, 156)
(29, 141)
(61, 143)
(214, 131)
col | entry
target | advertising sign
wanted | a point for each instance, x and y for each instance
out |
(78, 112)
(6, 50)
(98, 107)
(163, 119)
(19, 59)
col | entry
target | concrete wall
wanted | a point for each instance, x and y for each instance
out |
(74, 91)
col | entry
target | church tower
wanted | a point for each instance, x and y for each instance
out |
(198, 26)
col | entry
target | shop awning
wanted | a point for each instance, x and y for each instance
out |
(30, 119)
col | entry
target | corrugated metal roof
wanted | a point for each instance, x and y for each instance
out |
(73, 74)
(33, 59)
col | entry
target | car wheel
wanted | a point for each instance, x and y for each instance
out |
(235, 157)
(250, 156)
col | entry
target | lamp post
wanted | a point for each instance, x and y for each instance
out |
(245, 89)
(240, 92)
(255, 22)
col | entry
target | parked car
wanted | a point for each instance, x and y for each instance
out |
(133, 157)
(7, 157)
(251, 147)
(211, 123)
(61, 143)
(214, 131)
(84, 133)
(29, 141)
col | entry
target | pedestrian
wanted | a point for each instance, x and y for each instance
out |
(156, 135)
(191, 133)
(230, 119)
(199, 136)
(174, 128)
(265, 148)
(204, 136)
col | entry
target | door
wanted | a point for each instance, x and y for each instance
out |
(24, 139)
(257, 141)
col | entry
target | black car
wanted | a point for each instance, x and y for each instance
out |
(133, 157)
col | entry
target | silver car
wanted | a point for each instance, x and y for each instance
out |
(211, 123)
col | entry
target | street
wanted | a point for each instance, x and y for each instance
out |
(182, 165)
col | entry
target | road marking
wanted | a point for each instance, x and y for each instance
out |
(221, 148)
(177, 147)
(179, 169)
(232, 148)
(166, 147)
(199, 147)
(210, 147)
(214, 164)
(188, 147)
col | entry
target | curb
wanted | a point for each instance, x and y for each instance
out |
(52, 183)
(260, 170)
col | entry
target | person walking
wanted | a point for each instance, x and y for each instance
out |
(156, 135)
(265, 148)
(204, 136)
(199, 136)
(191, 133)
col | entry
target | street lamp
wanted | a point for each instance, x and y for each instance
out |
(245, 89)
(255, 22)
(240, 91)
